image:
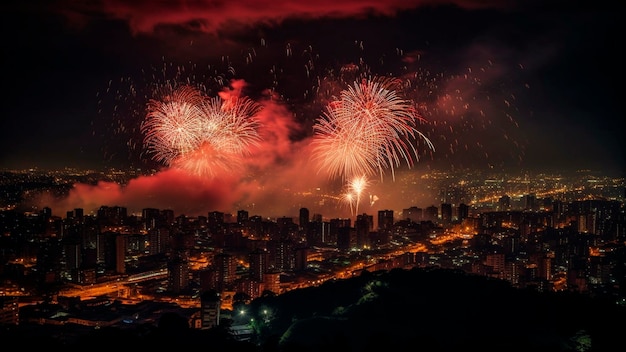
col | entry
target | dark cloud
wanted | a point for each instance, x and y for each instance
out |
(212, 16)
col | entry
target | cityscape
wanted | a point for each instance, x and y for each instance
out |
(548, 233)
(347, 175)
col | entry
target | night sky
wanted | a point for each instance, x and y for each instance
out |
(504, 85)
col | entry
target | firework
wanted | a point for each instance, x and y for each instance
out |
(369, 129)
(229, 124)
(173, 126)
(199, 134)
(356, 186)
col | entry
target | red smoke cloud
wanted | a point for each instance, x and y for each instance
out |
(276, 173)
(211, 16)
(168, 189)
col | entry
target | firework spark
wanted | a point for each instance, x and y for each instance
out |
(199, 134)
(368, 130)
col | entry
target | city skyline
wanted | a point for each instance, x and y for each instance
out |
(507, 87)
(62, 193)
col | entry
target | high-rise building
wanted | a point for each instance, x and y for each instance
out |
(252, 288)
(334, 226)
(345, 238)
(431, 213)
(151, 218)
(112, 216)
(242, 217)
(158, 240)
(210, 305)
(281, 255)
(73, 258)
(9, 311)
(168, 216)
(258, 264)
(207, 279)
(363, 226)
(79, 214)
(463, 212)
(225, 270)
(385, 220)
(414, 214)
(271, 281)
(504, 203)
(120, 253)
(495, 263)
(178, 274)
(216, 222)
(446, 213)
(86, 276)
(304, 218)
(106, 250)
(287, 229)
(301, 258)
(544, 264)
(529, 201)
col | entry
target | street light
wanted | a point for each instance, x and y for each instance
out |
(265, 319)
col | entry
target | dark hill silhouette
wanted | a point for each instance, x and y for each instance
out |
(437, 310)
(417, 310)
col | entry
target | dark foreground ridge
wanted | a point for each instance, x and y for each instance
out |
(422, 309)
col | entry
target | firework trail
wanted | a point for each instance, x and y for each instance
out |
(369, 129)
(198, 134)
(356, 186)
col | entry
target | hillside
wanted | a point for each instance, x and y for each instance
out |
(437, 310)
(419, 309)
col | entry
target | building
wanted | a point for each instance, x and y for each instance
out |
(210, 305)
(9, 311)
